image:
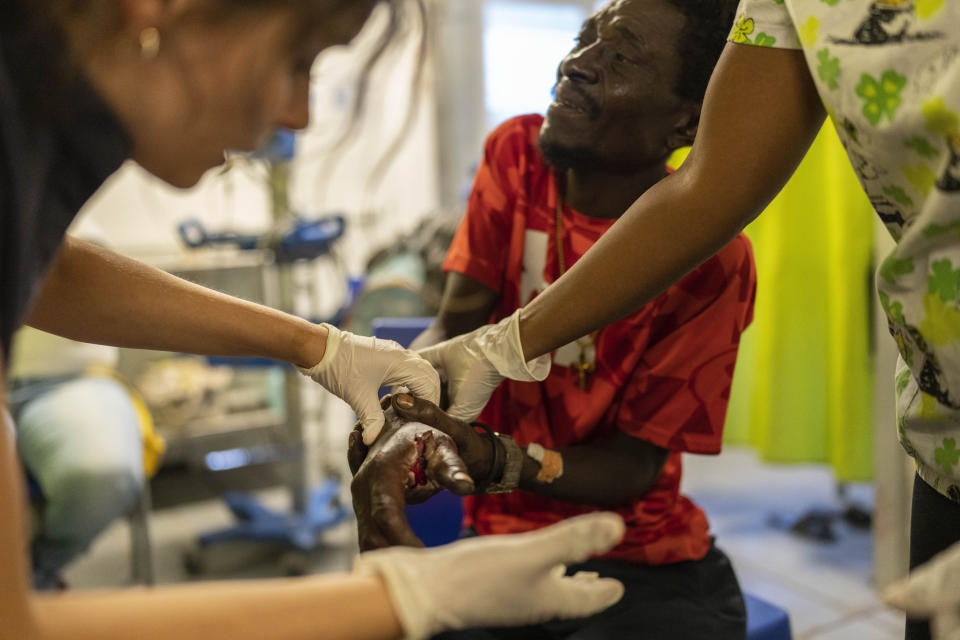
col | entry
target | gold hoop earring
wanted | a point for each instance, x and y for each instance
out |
(149, 43)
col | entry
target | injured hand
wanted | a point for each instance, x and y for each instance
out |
(408, 462)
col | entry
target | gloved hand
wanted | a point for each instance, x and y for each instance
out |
(498, 581)
(475, 363)
(354, 367)
(932, 591)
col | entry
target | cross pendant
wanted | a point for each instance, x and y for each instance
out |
(583, 368)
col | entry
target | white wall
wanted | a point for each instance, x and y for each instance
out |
(486, 76)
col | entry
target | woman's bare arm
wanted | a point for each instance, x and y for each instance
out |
(760, 115)
(94, 295)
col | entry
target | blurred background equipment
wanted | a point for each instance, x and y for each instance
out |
(405, 278)
(313, 508)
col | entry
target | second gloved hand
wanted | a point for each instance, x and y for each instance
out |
(354, 368)
(499, 581)
(932, 592)
(475, 363)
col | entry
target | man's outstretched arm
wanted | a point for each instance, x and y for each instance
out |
(609, 472)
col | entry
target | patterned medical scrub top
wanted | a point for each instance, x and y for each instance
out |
(888, 72)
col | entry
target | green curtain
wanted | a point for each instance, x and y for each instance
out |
(803, 385)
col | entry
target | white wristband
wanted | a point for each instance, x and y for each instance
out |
(536, 451)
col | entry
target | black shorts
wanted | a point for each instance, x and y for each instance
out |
(689, 600)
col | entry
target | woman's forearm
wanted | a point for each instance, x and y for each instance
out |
(94, 295)
(760, 116)
(348, 607)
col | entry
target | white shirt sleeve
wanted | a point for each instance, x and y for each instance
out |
(764, 23)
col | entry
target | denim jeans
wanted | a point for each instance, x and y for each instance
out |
(80, 440)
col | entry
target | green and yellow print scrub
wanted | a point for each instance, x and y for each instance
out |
(888, 72)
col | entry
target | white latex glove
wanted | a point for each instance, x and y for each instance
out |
(932, 591)
(499, 581)
(475, 363)
(354, 367)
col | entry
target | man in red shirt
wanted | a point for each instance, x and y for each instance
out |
(607, 428)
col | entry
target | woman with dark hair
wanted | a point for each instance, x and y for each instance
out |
(87, 84)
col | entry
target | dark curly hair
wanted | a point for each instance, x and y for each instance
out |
(702, 40)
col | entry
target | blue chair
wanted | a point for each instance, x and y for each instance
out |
(766, 621)
(438, 520)
(401, 330)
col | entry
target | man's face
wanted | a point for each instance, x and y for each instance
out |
(615, 104)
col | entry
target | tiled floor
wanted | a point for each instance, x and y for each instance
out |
(826, 587)
(173, 532)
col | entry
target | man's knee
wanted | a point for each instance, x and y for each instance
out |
(118, 483)
(85, 432)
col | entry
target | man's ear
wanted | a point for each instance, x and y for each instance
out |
(686, 128)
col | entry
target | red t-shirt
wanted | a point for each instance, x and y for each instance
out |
(662, 374)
